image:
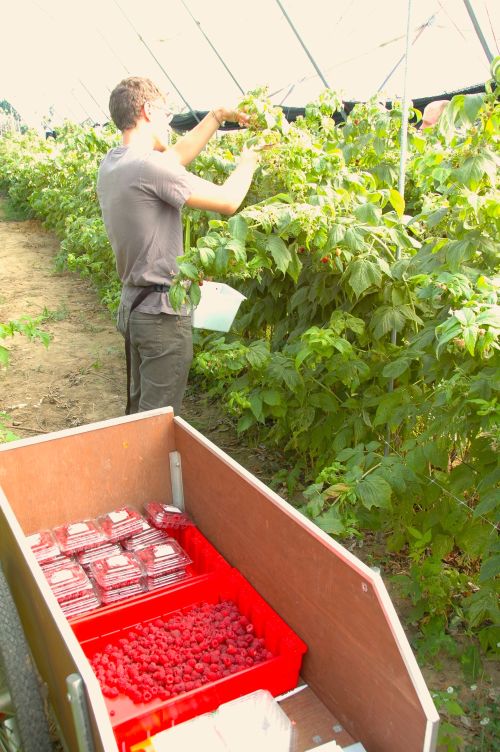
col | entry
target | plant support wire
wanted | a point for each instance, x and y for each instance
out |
(424, 26)
(141, 39)
(198, 24)
(479, 31)
(316, 68)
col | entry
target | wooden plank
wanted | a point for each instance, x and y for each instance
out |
(86, 471)
(313, 724)
(359, 662)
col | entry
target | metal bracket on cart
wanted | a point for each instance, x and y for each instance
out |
(78, 702)
(176, 479)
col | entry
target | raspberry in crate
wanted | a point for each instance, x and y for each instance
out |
(43, 546)
(170, 656)
(78, 536)
(166, 516)
(121, 523)
(174, 654)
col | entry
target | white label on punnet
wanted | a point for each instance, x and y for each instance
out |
(62, 576)
(163, 550)
(118, 516)
(117, 561)
(78, 527)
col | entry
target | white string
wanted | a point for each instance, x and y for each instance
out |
(443, 489)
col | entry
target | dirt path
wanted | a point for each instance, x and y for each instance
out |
(80, 377)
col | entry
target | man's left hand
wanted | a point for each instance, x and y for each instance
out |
(232, 115)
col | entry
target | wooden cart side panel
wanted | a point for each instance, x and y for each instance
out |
(359, 662)
(55, 649)
(126, 462)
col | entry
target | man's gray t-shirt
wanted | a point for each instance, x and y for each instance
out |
(141, 193)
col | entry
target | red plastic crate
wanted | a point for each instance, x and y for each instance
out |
(133, 722)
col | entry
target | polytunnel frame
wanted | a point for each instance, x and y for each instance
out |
(197, 114)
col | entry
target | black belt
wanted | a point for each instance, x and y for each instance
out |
(145, 291)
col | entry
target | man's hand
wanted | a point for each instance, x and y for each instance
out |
(232, 115)
(250, 154)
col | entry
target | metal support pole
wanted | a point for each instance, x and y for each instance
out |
(325, 82)
(156, 61)
(212, 46)
(478, 29)
(402, 170)
(404, 120)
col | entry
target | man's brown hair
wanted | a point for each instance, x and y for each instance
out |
(128, 98)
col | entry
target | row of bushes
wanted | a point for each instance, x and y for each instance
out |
(367, 349)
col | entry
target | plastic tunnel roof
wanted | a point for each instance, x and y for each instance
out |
(66, 56)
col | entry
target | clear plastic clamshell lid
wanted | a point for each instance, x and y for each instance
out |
(162, 580)
(58, 563)
(78, 536)
(87, 602)
(111, 595)
(68, 582)
(166, 516)
(147, 538)
(163, 558)
(117, 570)
(44, 546)
(121, 523)
(99, 552)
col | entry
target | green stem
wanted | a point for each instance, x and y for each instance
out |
(326, 389)
(370, 470)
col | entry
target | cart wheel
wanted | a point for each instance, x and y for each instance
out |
(19, 674)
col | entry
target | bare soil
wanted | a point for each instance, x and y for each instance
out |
(80, 379)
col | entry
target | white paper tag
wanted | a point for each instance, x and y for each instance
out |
(117, 561)
(163, 550)
(35, 539)
(62, 576)
(118, 516)
(171, 510)
(78, 527)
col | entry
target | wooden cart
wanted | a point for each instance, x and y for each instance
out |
(361, 682)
